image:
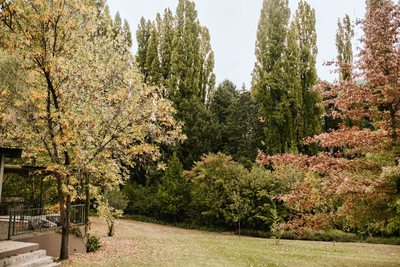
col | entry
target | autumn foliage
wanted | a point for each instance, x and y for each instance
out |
(82, 107)
(355, 186)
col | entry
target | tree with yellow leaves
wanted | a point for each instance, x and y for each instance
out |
(82, 107)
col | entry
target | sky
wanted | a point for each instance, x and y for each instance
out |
(233, 28)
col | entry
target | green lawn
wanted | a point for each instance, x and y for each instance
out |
(144, 244)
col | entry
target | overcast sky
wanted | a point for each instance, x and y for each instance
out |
(233, 27)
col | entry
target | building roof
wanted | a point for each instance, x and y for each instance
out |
(23, 169)
(11, 152)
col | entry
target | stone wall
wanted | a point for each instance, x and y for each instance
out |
(3, 229)
(51, 242)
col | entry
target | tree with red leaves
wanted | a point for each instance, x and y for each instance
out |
(358, 188)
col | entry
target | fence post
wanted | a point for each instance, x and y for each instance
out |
(9, 226)
(13, 228)
(82, 213)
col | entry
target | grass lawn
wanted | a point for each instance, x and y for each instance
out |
(145, 244)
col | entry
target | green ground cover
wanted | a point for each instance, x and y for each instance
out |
(145, 244)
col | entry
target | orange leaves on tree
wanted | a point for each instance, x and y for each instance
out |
(355, 185)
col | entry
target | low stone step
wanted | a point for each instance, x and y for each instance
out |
(43, 261)
(54, 264)
(11, 248)
(21, 258)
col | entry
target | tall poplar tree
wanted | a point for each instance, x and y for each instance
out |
(175, 53)
(142, 37)
(152, 65)
(104, 19)
(284, 75)
(310, 119)
(186, 59)
(344, 48)
(268, 84)
(292, 82)
(126, 32)
(343, 39)
(207, 77)
(117, 25)
(166, 35)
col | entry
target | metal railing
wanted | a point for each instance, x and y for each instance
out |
(27, 221)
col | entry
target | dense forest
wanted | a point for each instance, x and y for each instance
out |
(150, 131)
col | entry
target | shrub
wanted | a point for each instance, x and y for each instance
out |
(110, 206)
(173, 193)
(225, 193)
(329, 235)
(142, 200)
(93, 243)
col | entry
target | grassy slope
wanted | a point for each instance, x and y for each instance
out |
(144, 244)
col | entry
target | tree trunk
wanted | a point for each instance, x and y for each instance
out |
(64, 252)
(65, 211)
(87, 201)
(239, 229)
(393, 123)
(110, 228)
(398, 186)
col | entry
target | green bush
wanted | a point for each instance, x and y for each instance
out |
(173, 192)
(329, 235)
(223, 192)
(184, 225)
(93, 243)
(255, 233)
(381, 240)
(293, 235)
(116, 198)
(142, 200)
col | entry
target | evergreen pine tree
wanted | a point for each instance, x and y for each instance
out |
(173, 193)
(201, 129)
(222, 99)
(220, 107)
(246, 131)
